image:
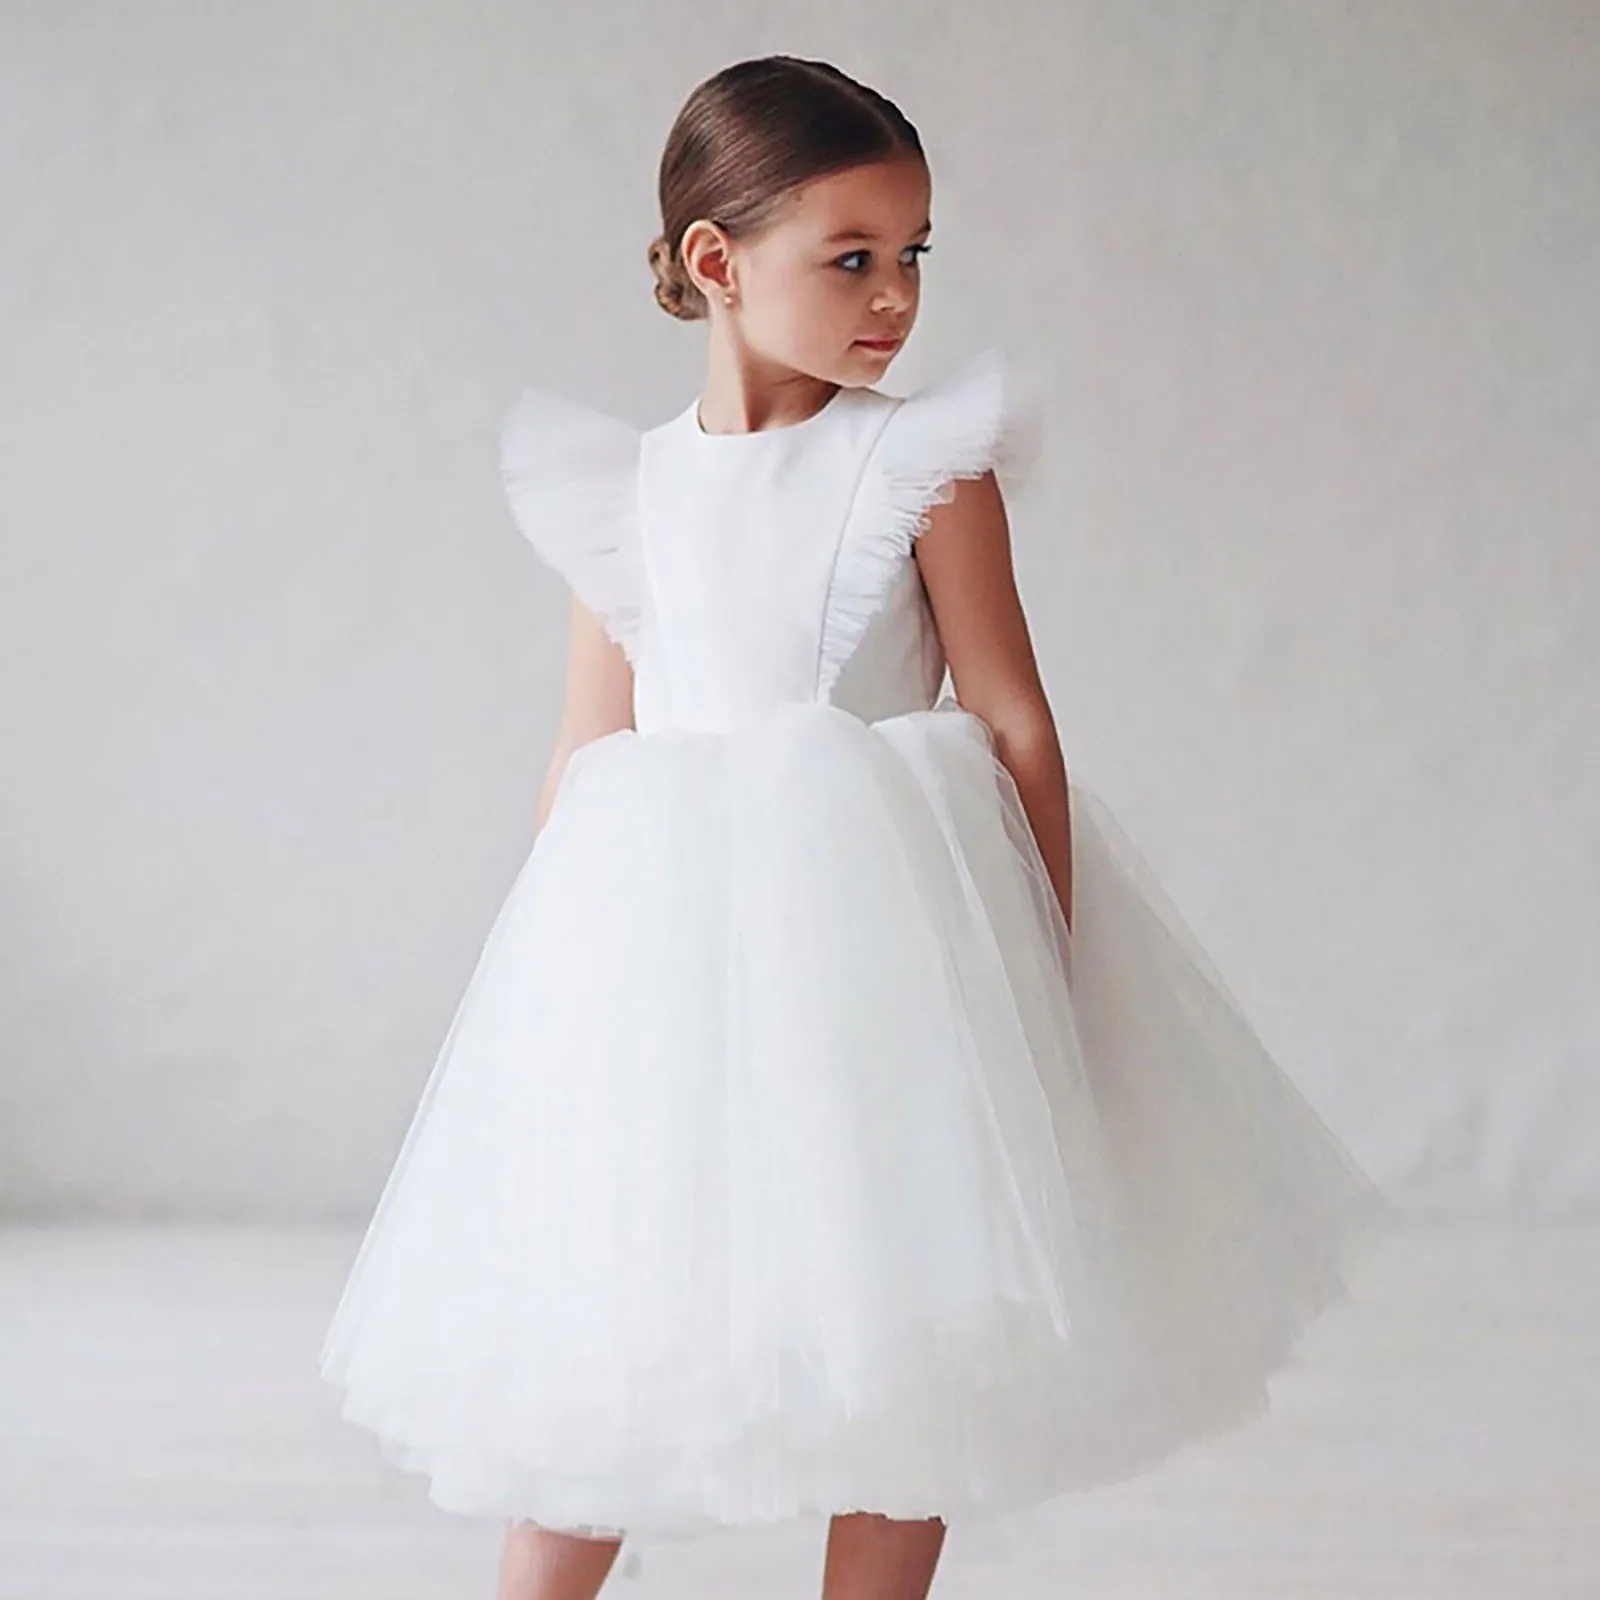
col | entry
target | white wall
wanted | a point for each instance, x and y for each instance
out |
(1312, 567)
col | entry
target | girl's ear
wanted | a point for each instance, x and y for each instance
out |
(708, 258)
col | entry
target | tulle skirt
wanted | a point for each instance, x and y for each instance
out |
(786, 1156)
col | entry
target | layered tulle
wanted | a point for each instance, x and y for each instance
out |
(786, 1156)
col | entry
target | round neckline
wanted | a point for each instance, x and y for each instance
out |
(762, 433)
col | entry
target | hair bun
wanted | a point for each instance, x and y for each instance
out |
(675, 292)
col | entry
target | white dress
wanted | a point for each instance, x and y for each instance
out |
(785, 1155)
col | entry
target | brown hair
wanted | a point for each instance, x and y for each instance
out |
(747, 136)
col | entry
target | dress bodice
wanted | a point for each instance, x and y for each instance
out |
(740, 572)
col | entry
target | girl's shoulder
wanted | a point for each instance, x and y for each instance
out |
(571, 470)
(985, 411)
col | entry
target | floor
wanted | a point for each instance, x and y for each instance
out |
(163, 1436)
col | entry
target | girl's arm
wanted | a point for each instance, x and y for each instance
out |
(965, 560)
(598, 698)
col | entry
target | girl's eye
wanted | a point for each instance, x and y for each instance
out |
(913, 251)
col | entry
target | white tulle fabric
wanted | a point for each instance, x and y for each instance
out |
(985, 416)
(786, 1155)
(572, 473)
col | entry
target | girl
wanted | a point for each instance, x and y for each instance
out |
(839, 1120)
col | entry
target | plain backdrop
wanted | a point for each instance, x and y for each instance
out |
(1312, 564)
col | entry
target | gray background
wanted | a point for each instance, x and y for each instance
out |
(1312, 563)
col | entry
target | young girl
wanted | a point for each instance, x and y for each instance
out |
(839, 1120)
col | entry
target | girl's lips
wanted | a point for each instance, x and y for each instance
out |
(880, 344)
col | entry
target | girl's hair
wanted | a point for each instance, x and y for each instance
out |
(747, 136)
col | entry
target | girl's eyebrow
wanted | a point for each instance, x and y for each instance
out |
(846, 234)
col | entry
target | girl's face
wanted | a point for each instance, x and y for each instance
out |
(839, 265)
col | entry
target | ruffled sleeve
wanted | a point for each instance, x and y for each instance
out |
(571, 477)
(987, 414)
